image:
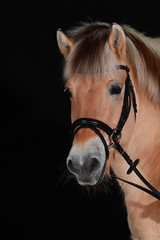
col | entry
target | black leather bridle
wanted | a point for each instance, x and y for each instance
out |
(115, 134)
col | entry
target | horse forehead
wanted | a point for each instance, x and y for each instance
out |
(87, 82)
(83, 84)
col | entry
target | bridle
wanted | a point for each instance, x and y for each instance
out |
(115, 134)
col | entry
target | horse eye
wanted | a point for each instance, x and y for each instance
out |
(115, 89)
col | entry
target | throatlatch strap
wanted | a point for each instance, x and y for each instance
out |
(127, 100)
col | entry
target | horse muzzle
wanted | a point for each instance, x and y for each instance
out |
(88, 162)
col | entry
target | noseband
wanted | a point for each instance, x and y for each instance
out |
(115, 134)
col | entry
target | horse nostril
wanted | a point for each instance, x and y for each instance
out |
(71, 167)
(85, 169)
(92, 164)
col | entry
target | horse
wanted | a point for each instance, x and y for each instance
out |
(112, 73)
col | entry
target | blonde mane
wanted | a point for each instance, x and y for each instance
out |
(143, 53)
(91, 54)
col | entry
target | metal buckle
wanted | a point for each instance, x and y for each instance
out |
(116, 140)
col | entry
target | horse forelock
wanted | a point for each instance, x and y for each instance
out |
(91, 55)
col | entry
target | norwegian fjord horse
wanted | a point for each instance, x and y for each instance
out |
(113, 75)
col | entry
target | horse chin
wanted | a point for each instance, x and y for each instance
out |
(87, 183)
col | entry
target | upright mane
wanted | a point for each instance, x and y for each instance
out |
(91, 54)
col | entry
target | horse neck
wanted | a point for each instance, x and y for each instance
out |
(145, 140)
(145, 144)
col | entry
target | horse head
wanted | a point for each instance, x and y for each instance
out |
(97, 89)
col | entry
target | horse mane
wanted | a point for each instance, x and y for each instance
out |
(143, 54)
(91, 54)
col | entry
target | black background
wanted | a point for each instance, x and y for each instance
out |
(37, 197)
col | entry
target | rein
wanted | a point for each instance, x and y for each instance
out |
(115, 134)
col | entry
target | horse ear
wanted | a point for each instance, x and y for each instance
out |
(64, 42)
(117, 40)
